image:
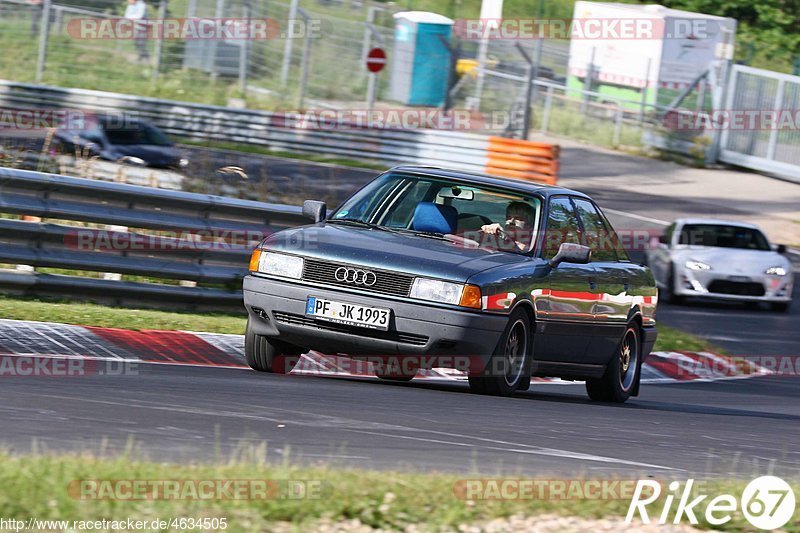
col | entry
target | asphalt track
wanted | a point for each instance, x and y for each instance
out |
(189, 413)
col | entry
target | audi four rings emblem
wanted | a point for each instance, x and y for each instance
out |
(355, 276)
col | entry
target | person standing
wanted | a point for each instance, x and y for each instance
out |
(137, 12)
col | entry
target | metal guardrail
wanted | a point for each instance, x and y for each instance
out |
(455, 149)
(210, 242)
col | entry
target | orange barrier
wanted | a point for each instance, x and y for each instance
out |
(526, 160)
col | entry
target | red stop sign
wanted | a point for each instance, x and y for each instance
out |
(376, 60)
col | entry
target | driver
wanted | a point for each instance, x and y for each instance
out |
(518, 226)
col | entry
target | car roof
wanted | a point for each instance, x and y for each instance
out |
(715, 221)
(486, 179)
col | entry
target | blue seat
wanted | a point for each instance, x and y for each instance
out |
(435, 218)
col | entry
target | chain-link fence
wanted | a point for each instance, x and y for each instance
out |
(308, 54)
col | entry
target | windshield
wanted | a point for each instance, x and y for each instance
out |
(137, 134)
(478, 216)
(723, 236)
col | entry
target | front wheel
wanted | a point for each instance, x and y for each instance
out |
(622, 372)
(781, 307)
(508, 368)
(268, 355)
(671, 296)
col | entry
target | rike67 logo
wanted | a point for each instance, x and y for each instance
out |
(767, 502)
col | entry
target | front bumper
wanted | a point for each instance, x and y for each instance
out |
(276, 309)
(721, 285)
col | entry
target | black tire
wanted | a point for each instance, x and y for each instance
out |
(671, 297)
(781, 307)
(268, 355)
(510, 364)
(623, 371)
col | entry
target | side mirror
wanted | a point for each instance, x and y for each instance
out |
(315, 210)
(663, 239)
(781, 249)
(571, 253)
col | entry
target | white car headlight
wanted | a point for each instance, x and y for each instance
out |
(775, 271)
(285, 266)
(133, 160)
(183, 162)
(697, 265)
(434, 290)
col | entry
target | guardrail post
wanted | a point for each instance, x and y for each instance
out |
(44, 31)
(617, 127)
(305, 60)
(162, 13)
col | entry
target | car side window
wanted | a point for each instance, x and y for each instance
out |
(595, 232)
(562, 226)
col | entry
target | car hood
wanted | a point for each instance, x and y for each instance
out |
(733, 259)
(150, 153)
(390, 251)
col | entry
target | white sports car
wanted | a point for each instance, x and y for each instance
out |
(723, 260)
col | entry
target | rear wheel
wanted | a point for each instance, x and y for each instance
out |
(622, 372)
(268, 355)
(508, 368)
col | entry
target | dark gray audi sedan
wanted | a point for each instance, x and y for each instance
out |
(424, 267)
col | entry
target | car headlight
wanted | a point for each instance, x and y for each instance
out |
(775, 271)
(697, 265)
(183, 162)
(276, 264)
(435, 290)
(133, 160)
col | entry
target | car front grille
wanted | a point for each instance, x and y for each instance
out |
(739, 288)
(390, 283)
(394, 336)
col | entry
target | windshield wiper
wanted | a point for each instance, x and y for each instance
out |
(362, 223)
(428, 234)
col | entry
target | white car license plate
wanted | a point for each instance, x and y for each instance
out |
(346, 313)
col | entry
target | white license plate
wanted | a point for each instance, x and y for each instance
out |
(346, 313)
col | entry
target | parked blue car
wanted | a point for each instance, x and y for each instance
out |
(425, 267)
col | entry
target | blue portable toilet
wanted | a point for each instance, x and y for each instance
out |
(421, 61)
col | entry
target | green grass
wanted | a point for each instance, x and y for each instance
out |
(89, 314)
(671, 339)
(37, 486)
